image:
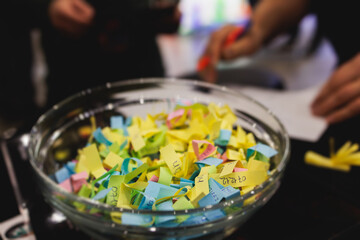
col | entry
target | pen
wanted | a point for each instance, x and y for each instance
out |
(234, 35)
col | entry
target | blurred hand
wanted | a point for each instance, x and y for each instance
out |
(71, 16)
(339, 99)
(215, 50)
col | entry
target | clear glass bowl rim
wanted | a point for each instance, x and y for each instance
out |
(274, 176)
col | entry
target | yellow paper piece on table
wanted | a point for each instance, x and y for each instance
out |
(353, 159)
(346, 151)
(241, 179)
(112, 159)
(165, 176)
(228, 168)
(135, 137)
(124, 200)
(321, 161)
(257, 165)
(171, 159)
(345, 148)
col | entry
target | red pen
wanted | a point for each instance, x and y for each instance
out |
(230, 39)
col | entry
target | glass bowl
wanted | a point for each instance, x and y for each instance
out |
(58, 130)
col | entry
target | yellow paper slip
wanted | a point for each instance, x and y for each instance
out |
(124, 199)
(135, 137)
(257, 165)
(234, 155)
(114, 183)
(241, 179)
(321, 161)
(228, 168)
(202, 183)
(128, 177)
(112, 159)
(171, 159)
(92, 158)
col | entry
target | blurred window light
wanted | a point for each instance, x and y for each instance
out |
(206, 15)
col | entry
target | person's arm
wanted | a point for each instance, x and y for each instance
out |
(71, 16)
(270, 17)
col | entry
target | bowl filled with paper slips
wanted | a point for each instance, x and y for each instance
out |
(158, 159)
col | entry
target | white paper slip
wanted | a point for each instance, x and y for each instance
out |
(292, 108)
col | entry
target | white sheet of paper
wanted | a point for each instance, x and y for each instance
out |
(292, 108)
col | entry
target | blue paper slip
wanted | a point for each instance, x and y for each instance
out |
(230, 192)
(117, 122)
(62, 174)
(71, 167)
(194, 220)
(164, 206)
(214, 185)
(146, 202)
(224, 137)
(125, 164)
(263, 149)
(210, 161)
(102, 194)
(214, 214)
(157, 190)
(137, 220)
(100, 138)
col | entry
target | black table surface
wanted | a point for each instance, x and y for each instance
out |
(311, 203)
